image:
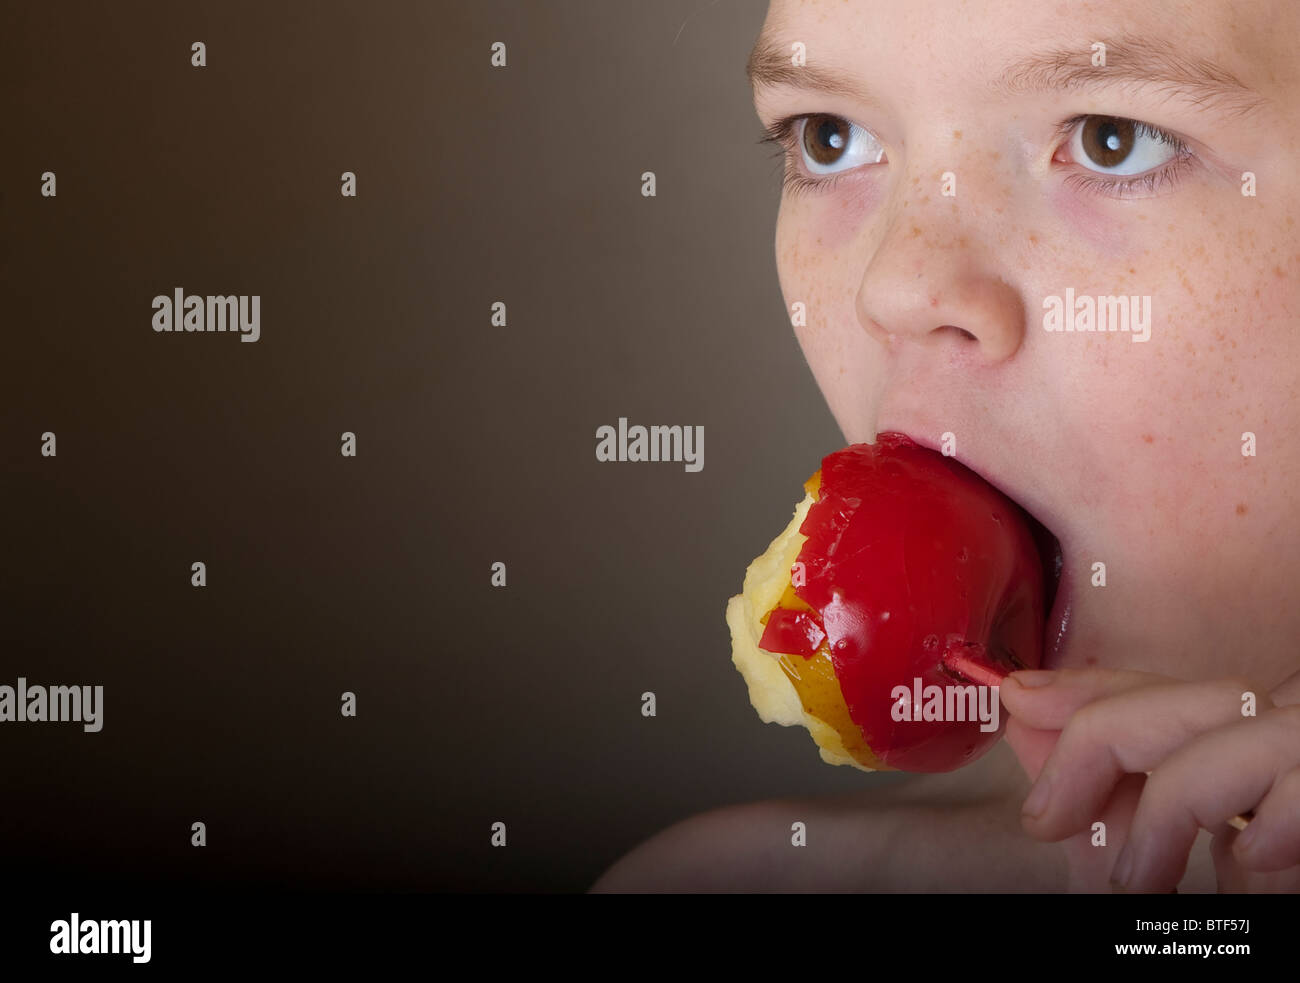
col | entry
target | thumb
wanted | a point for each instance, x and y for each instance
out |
(1032, 747)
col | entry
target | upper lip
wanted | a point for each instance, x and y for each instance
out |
(1027, 498)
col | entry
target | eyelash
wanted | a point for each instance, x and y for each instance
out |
(795, 183)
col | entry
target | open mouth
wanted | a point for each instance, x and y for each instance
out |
(1057, 580)
(1049, 554)
(1056, 611)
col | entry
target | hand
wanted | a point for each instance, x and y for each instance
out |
(1089, 737)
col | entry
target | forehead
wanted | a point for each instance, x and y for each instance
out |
(1214, 16)
(1254, 42)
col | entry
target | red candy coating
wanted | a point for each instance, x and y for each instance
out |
(794, 632)
(912, 559)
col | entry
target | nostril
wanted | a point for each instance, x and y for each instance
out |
(962, 331)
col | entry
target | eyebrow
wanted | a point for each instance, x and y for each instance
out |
(1133, 61)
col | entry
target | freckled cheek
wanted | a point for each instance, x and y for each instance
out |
(812, 234)
(1088, 219)
(1277, 299)
(825, 223)
(841, 217)
(813, 275)
(1259, 347)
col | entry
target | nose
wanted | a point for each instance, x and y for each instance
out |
(930, 283)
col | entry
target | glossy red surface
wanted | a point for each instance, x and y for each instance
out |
(793, 632)
(912, 558)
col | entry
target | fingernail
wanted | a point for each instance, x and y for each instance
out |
(1037, 801)
(1033, 678)
(1119, 877)
(1247, 837)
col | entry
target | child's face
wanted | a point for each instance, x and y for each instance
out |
(925, 310)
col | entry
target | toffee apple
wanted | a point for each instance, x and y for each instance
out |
(900, 568)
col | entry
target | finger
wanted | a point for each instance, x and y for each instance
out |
(1230, 876)
(1032, 747)
(1210, 778)
(1050, 706)
(1117, 814)
(1235, 879)
(1128, 733)
(1287, 692)
(1272, 840)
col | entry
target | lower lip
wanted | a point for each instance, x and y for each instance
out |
(1056, 629)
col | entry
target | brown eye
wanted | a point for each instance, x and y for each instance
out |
(1108, 141)
(828, 140)
(825, 138)
(1111, 145)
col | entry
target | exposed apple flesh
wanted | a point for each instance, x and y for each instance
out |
(909, 560)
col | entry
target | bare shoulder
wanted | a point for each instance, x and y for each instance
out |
(958, 832)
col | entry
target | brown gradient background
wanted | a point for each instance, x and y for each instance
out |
(475, 443)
